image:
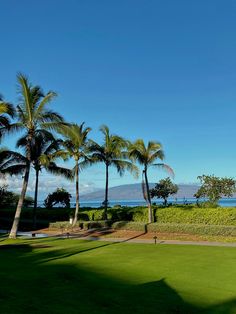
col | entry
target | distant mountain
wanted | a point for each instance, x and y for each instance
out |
(134, 192)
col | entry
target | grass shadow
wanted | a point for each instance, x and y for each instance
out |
(42, 280)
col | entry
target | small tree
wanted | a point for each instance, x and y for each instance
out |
(10, 199)
(164, 189)
(60, 196)
(214, 188)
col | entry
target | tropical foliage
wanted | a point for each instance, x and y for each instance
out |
(214, 188)
(38, 147)
(112, 152)
(6, 112)
(60, 196)
(75, 146)
(45, 150)
(164, 189)
(32, 115)
(10, 199)
(147, 156)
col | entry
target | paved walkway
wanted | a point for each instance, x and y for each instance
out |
(152, 241)
(134, 239)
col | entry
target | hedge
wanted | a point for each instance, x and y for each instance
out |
(207, 216)
(130, 225)
(179, 214)
(81, 224)
(177, 228)
(193, 229)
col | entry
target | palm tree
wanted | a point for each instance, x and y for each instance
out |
(31, 115)
(11, 162)
(112, 153)
(45, 150)
(146, 156)
(76, 147)
(6, 112)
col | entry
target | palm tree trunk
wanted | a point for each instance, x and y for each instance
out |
(76, 193)
(150, 213)
(165, 202)
(35, 198)
(16, 221)
(106, 193)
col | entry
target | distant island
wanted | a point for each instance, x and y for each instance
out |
(134, 192)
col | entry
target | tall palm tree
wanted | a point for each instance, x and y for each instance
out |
(76, 147)
(32, 115)
(45, 150)
(6, 112)
(112, 153)
(146, 156)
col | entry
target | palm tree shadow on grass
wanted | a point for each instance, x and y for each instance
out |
(30, 285)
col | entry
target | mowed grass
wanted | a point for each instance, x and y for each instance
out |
(73, 276)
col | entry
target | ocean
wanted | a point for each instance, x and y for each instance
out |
(224, 202)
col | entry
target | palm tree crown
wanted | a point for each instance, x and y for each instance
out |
(44, 151)
(32, 115)
(31, 111)
(112, 153)
(76, 146)
(146, 156)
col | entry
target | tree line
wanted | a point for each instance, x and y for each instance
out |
(47, 138)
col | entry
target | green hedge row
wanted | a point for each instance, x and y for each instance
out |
(187, 214)
(208, 216)
(81, 224)
(177, 228)
(192, 229)
(130, 225)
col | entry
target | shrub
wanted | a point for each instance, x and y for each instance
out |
(193, 229)
(129, 225)
(207, 216)
(140, 215)
(60, 224)
(92, 214)
(120, 213)
(97, 224)
(177, 228)
(82, 224)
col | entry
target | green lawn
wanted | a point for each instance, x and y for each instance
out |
(72, 276)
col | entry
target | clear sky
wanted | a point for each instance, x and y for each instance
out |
(159, 70)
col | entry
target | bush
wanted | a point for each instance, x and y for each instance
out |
(207, 216)
(140, 215)
(81, 224)
(60, 224)
(177, 228)
(193, 229)
(92, 214)
(129, 225)
(97, 224)
(119, 213)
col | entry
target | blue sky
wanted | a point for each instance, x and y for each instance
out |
(159, 70)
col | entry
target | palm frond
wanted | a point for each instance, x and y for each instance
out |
(166, 168)
(14, 169)
(46, 99)
(7, 108)
(123, 165)
(60, 171)
(25, 97)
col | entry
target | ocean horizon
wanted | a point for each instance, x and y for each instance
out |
(224, 202)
